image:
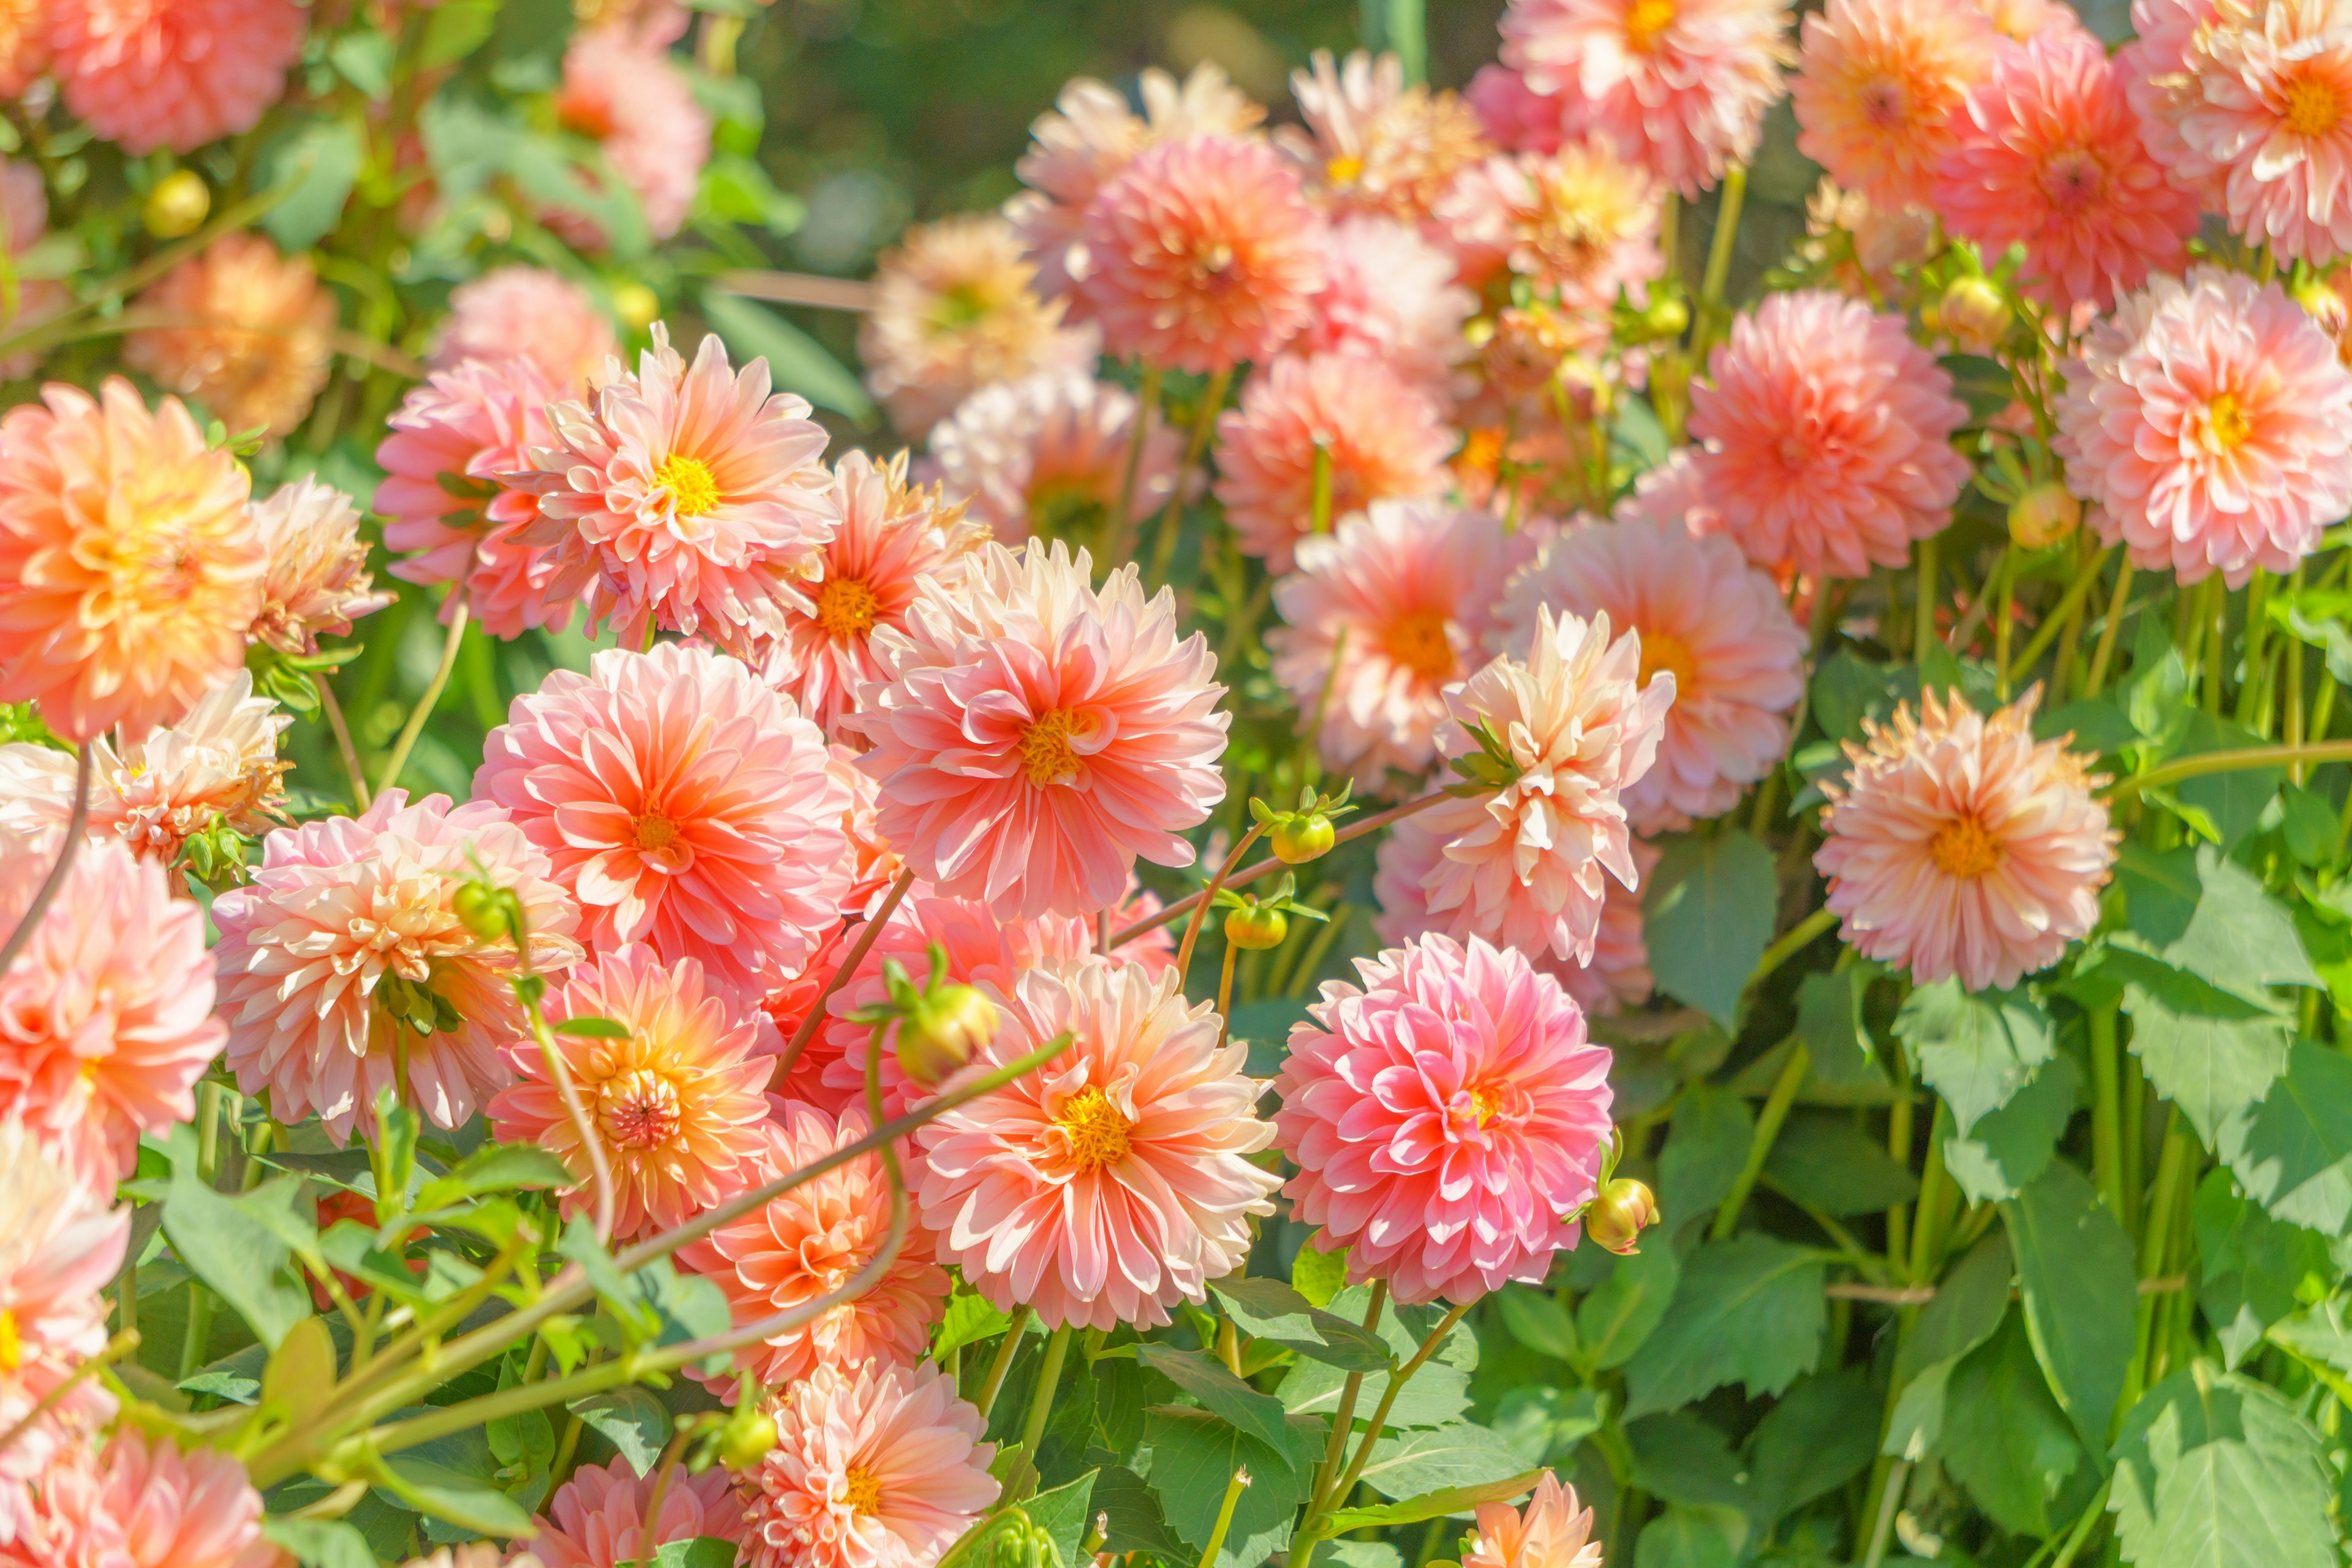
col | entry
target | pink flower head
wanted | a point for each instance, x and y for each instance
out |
(1047, 458)
(1671, 493)
(526, 313)
(1679, 86)
(1826, 436)
(1879, 85)
(2210, 423)
(2157, 68)
(621, 91)
(318, 582)
(1443, 1116)
(597, 1518)
(172, 73)
(683, 804)
(1552, 1532)
(144, 1503)
(1389, 613)
(1960, 844)
(349, 934)
(61, 1245)
(811, 1241)
(1390, 295)
(2049, 156)
(1579, 220)
(1205, 253)
(874, 1467)
(2271, 115)
(689, 499)
(1379, 436)
(1036, 734)
(1373, 144)
(24, 45)
(1113, 1182)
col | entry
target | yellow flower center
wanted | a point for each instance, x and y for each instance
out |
(1344, 169)
(1096, 1131)
(1645, 21)
(2227, 419)
(846, 608)
(1046, 750)
(12, 1349)
(862, 1492)
(693, 489)
(638, 1110)
(1484, 1102)
(1964, 849)
(1418, 641)
(2314, 107)
(656, 833)
(1663, 650)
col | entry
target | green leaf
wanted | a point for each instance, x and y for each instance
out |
(2005, 1438)
(593, 1029)
(1823, 1161)
(2291, 1151)
(2237, 936)
(1319, 1275)
(2224, 806)
(1062, 1513)
(444, 1493)
(1206, 1379)
(2074, 1267)
(1194, 1455)
(2252, 1270)
(2215, 1470)
(968, 1320)
(1270, 1310)
(1136, 1522)
(796, 361)
(2210, 1051)
(2158, 681)
(1965, 1311)
(1829, 1020)
(1748, 1311)
(1443, 1503)
(1707, 1147)
(1822, 1435)
(2010, 1147)
(317, 166)
(1413, 1463)
(1364, 1553)
(320, 1543)
(1976, 1049)
(456, 30)
(1537, 1320)
(629, 1418)
(1618, 1316)
(234, 1246)
(1692, 1537)
(498, 1168)
(1679, 1457)
(300, 1375)
(1437, 1394)
(363, 58)
(1709, 908)
(702, 1552)
(2160, 889)
(1543, 1426)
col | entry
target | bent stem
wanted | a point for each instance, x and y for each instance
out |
(840, 974)
(1777, 1105)
(398, 758)
(2205, 763)
(77, 827)
(1208, 897)
(1320, 1511)
(343, 732)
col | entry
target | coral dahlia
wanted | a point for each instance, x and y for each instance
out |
(61, 1247)
(526, 313)
(243, 332)
(172, 73)
(2272, 115)
(597, 1518)
(1579, 220)
(1389, 297)
(1047, 458)
(1552, 1532)
(143, 1502)
(1878, 85)
(1371, 144)
(621, 91)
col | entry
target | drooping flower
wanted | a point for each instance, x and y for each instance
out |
(349, 934)
(60, 1247)
(174, 74)
(2271, 114)
(874, 1467)
(526, 313)
(144, 1503)
(1959, 845)
(1826, 435)
(686, 498)
(1036, 734)
(1877, 88)
(621, 91)
(597, 1518)
(1579, 221)
(1442, 1115)
(242, 330)
(1552, 1532)
(1371, 144)
(1048, 457)
(1382, 618)
(130, 566)
(1372, 437)
(1112, 1182)
(317, 580)
(809, 1243)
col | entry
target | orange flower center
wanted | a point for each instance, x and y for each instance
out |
(638, 1110)
(1663, 650)
(846, 608)
(1418, 641)
(2226, 417)
(2314, 107)
(1645, 22)
(862, 1492)
(1046, 751)
(1964, 849)
(693, 489)
(1096, 1131)
(656, 833)
(1344, 169)
(12, 1348)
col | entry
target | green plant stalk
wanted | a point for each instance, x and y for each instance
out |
(397, 758)
(1927, 1225)
(1234, 1486)
(2066, 613)
(1898, 1148)
(1777, 1105)
(120, 1345)
(2104, 655)
(2216, 606)
(1208, 897)
(840, 974)
(2107, 1122)
(341, 731)
(2135, 1139)
(1795, 939)
(2207, 763)
(1923, 630)
(2082, 1526)
(1147, 410)
(1320, 506)
(1336, 1447)
(1890, 1495)
(1049, 1378)
(2258, 594)
(1326, 934)
(1324, 1501)
(1172, 515)
(1225, 995)
(2156, 1236)
(591, 1144)
(1729, 198)
(1002, 1362)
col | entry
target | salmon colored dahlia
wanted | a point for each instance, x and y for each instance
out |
(1047, 458)
(2159, 81)
(174, 74)
(684, 805)
(1442, 1115)
(1371, 144)
(2049, 155)
(1202, 254)
(60, 1246)
(1826, 436)
(2212, 423)
(1579, 221)
(621, 91)
(1114, 1181)
(685, 499)
(597, 1518)
(1388, 295)
(526, 313)
(242, 330)
(317, 581)
(1960, 844)
(24, 45)
(874, 1467)
(811, 1241)
(349, 934)
(130, 564)
(1377, 438)
(144, 1503)
(1878, 86)
(2272, 115)
(1552, 1532)
(874, 864)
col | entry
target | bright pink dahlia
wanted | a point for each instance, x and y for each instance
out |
(2159, 79)
(1879, 85)
(144, 1503)
(172, 73)
(1826, 435)
(1443, 1116)
(1390, 295)
(2273, 116)
(621, 91)
(1046, 457)
(683, 804)
(1036, 734)
(1552, 1532)
(526, 313)
(597, 1518)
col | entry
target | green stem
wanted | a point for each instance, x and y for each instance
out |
(1003, 1362)
(1147, 409)
(398, 757)
(1728, 201)
(1041, 1403)
(341, 731)
(1794, 941)
(1923, 630)
(1890, 1495)
(2062, 612)
(1209, 896)
(2216, 606)
(2107, 1111)
(1172, 515)
(2082, 1531)
(2258, 593)
(77, 829)
(1928, 1217)
(1319, 510)
(1336, 1447)
(1379, 1424)
(1767, 1128)
(1234, 1486)
(2116, 604)
(2207, 763)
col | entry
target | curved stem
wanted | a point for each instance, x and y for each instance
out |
(1777, 1105)
(343, 732)
(1234, 1489)
(840, 974)
(1147, 410)
(1793, 941)
(1208, 897)
(1397, 1380)
(2059, 612)
(2230, 761)
(1344, 1420)
(591, 1142)
(77, 829)
(2104, 653)
(398, 759)
(1002, 1364)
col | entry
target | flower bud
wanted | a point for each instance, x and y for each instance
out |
(482, 910)
(746, 1438)
(1255, 927)
(1300, 836)
(1974, 313)
(2044, 515)
(945, 1027)
(1668, 316)
(637, 306)
(177, 205)
(1618, 1214)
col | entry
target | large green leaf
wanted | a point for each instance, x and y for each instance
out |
(2224, 806)
(1270, 1310)
(1748, 1311)
(1206, 1379)
(320, 1543)
(1440, 1503)
(796, 361)
(2319, 1333)
(316, 165)
(1194, 1455)
(1819, 1436)
(631, 1419)
(2005, 1439)
(1063, 1514)
(1706, 1145)
(1829, 1020)
(1439, 1393)
(2291, 1151)
(1823, 1161)
(1965, 1311)
(2215, 1470)
(1692, 1537)
(1975, 1048)
(2209, 1050)
(1620, 1313)
(2252, 1270)
(2237, 935)
(1537, 1320)
(1461, 1455)
(1710, 904)
(238, 1247)
(2075, 1266)
(1679, 1457)
(2008, 1148)
(1544, 1425)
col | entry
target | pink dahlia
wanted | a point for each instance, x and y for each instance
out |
(1553, 1532)
(2049, 155)
(1679, 86)
(1047, 458)
(1826, 436)
(597, 1518)
(144, 1503)
(1442, 1115)
(809, 1243)
(1388, 614)
(874, 863)
(318, 582)
(874, 1467)
(2272, 116)
(1205, 253)
(1036, 734)
(24, 45)
(683, 804)
(172, 73)
(1114, 1181)
(1371, 144)
(1960, 844)
(1390, 295)
(684, 499)
(1878, 87)
(1377, 436)
(526, 313)
(621, 91)
(60, 1247)
(1579, 221)
(349, 935)
(2159, 79)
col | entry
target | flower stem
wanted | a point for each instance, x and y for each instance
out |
(2116, 604)
(77, 829)
(1225, 995)
(1777, 1105)
(1004, 1362)
(343, 732)
(1041, 1403)
(398, 758)
(840, 974)
(1923, 629)
(2230, 761)
(1172, 515)
(2063, 612)
(590, 1143)
(1234, 1489)
(1208, 897)
(1147, 409)
(1397, 1380)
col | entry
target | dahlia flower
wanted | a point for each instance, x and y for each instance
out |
(96, 490)
(526, 313)
(317, 580)
(144, 1503)
(1515, 115)
(1376, 436)
(1371, 144)
(174, 74)
(1959, 845)
(473, 1554)
(1882, 239)
(873, 863)
(24, 45)
(1034, 734)
(1047, 458)
(621, 91)
(1826, 436)
(242, 330)
(349, 933)
(1878, 86)
(1552, 1532)
(61, 1247)
(1442, 1115)
(1388, 295)
(684, 499)
(874, 1467)
(1579, 221)
(1671, 493)
(597, 1518)
(1114, 1181)
(2270, 92)
(2049, 155)
(2157, 68)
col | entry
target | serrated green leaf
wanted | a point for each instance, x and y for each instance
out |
(1823, 1161)
(2215, 1470)
(462, 1499)
(2010, 1146)
(320, 1543)
(1439, 1393)
(1194, 1455)
(2208, 1050)
(1707, 1147)
(2224, 806)
(1206, 1379)
(234, 1248)
(1537, 1320)
(1062, 1512)
(1975, 1048)
(1689, 1536)
(1543, 1426)
(2252, 1270)
(1411, 1463)
(702, 1552)
(1319, 1275)
(1617, 1316)
(316, 164)
(2291, 1151)
(1270, 1310)
(2006, 1439)
(1709, 907)
(629, 1418)
(1748, 1311)
(2074, 1269)
(1821, 1434)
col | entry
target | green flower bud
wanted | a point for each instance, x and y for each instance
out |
(1255, 927)
(482, 911)
(2044, 515)
(943, 1028)
(177, 205)
(746, 1438)
(1300, 836)
(1618, 1214)
(1973, 312)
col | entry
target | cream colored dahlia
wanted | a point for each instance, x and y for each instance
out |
(317, 581)
(1371, 144)
(1048, 457)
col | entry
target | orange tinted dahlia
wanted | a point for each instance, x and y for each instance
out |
(1878, 86)
(240, 328)
(1552, 1532)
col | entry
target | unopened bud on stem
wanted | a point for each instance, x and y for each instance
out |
(1618, 1214)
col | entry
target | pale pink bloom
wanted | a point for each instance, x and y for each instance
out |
(526, 313)
(1679, 86)
(1553, 1532)
(1878, 86)
(1371, 144)
(686, 499)
(874, 1467)
(621, 91)
(349, 932)
(76, 1410)
(1826, 436)
(317, 581)
(2212, 423)
(1670, 492)
(684, 805)
(1114, 1181)
(1717, 623)
(2159, 78)
(2021, 20)
(1036, 734)
(597, 1518)
(1442, 1115)
(1202, 254)
(241, 329)
(1380, 437)
(2273, 117)
(60, 1246)
(2049, 155)
(1389, 296)
(1048, 457)
(811, 1241)
(1579, 220)
(172, 73)
(1960, 844)
(144, 1503)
